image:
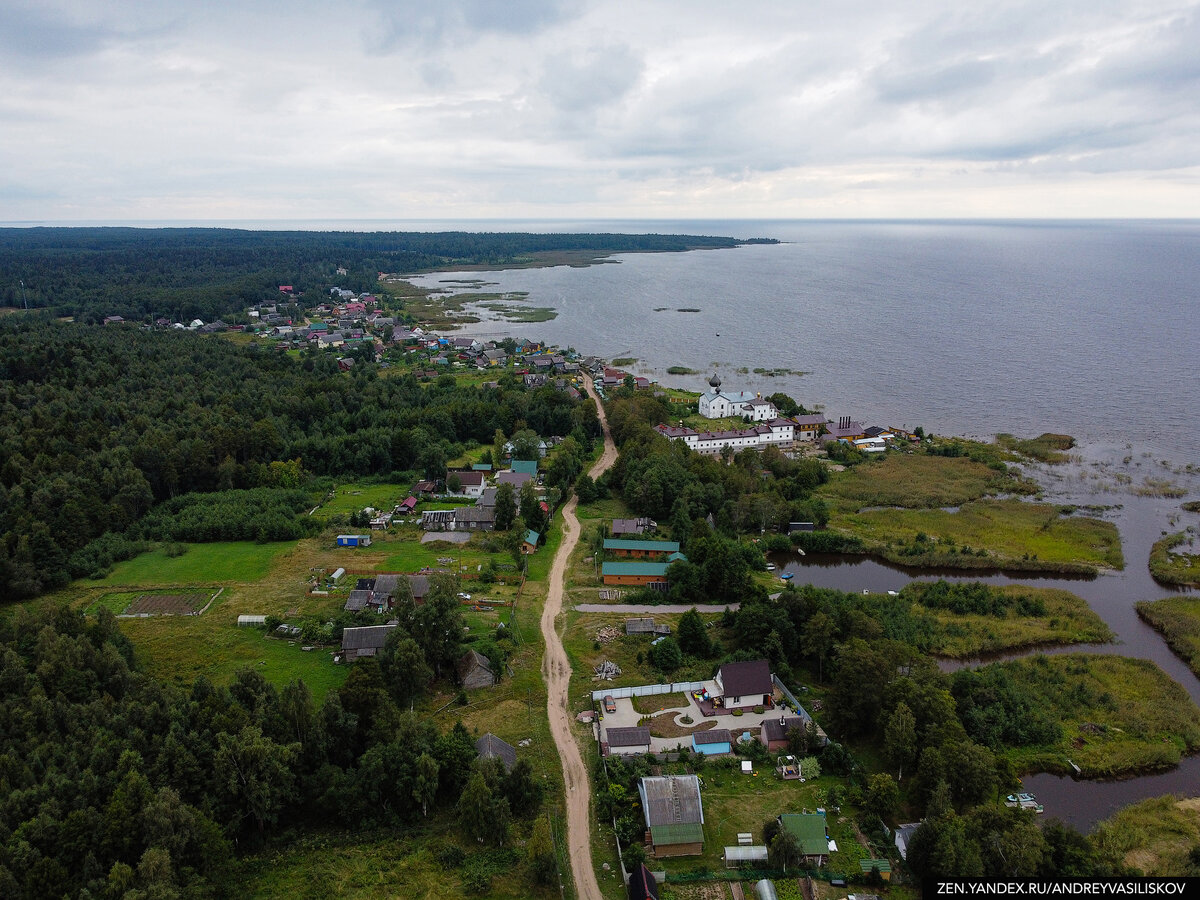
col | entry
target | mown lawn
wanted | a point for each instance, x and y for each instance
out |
(202, 564)
(1012, 533)
(1178, 620)
(351, 498)
(1137, 718)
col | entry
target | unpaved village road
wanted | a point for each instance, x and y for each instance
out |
(556, 669)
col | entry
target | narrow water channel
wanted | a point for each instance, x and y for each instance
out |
(1140, 520)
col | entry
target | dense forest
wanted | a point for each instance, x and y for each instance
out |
(186, 273)
(113, 784)
(99, 426)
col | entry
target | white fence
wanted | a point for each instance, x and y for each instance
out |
(647, 690)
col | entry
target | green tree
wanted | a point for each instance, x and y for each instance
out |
(404, 668)
(255, 774)
(506, 507)
(425, 784)
(785, 850)
(900, 739)
(882, 797)
(453, 483)
(539, 853)
(817, 639)
(482, 815)
(666, 655)
(693, 636)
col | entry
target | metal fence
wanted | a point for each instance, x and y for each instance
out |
(647, 690)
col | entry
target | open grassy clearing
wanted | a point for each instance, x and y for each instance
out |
(1154, 836)
(916, 481)
(1118, 715)
(351, 498)
(1012, 534)
(1178, 620)
(223, 562)
(1174, 560)
(386, 866)
(1068, 620)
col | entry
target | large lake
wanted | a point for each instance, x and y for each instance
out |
(1091, 329)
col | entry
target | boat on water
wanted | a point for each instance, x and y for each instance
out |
(770, 567)
(1023, 801)
(787, 576)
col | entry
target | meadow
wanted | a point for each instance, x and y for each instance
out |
(1178, 620)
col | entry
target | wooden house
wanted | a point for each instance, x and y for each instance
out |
(674, 815)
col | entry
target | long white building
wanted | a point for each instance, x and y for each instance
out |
(779, 433)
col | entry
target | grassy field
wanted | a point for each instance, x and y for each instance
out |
(915, 481)
(1068, 620)
(1178, 620)
(1172, 565)
(1011, 533)
(351, 498)
(1154, 836)
(1050, 448)
(1137, 718)
(201, 564)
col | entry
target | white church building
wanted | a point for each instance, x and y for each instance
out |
(718, 404)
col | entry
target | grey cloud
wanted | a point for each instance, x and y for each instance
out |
(582, 81)
(404, 23)
(37, 33)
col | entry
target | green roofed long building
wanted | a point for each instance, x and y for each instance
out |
(674, 814)
(648, 574)
(809, 831)
(636, 549)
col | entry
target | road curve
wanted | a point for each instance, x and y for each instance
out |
(556, 669)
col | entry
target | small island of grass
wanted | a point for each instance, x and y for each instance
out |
(1155, 836)
(681, 370)
(1171, 565)
(1048, 447)
(1178, 620)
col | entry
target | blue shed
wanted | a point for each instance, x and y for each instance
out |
(354, 540)
(713, 742)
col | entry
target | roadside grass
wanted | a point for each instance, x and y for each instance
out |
(915, 481)
(1170, 565)
(353, 497)
(1155, 835)
(1178, 620)
(1137, 718)
(222, 562)
(1068, 620)
(1012, 534)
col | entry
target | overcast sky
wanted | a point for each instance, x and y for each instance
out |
(225, 109)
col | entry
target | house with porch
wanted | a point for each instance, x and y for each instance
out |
(743, 685)
(641, 574)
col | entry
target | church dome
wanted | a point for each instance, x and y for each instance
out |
(715, 382)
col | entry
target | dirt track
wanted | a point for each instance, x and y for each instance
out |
(556, 669)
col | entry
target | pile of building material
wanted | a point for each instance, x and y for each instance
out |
(608, 634)
(607, 671)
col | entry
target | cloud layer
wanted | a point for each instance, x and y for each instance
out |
(468, 108)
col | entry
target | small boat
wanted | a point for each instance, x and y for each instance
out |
(786, 576)
(1024, 801)
(770, 567)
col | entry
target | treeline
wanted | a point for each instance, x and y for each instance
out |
(759, 490)
(115, 785)
(100, 425)
(185, 273)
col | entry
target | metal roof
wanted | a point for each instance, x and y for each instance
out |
(630, 544)
(671, 800)
(686, 833)
(635, 568)
(370, 636)
(633, 736)
(809, 831)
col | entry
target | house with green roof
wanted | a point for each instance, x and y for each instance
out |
(809, 831)
(674, 815)
(530, 542)
(635, 573)
(626, 548)
(525, 467)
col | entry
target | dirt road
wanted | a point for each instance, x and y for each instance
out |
(556, 669)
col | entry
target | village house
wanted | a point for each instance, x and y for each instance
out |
(633, 740)
(471, 484)
(774, 733)
(633, 549)
(809, 830)
(632, 526)
(714, 742)
(529, 543)
(674, 815)
(742, 685)
(808, 428)
(491, 747)
(641, 574)
(360, 643)
(474, 671)
(778, 432)
(645, 626)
